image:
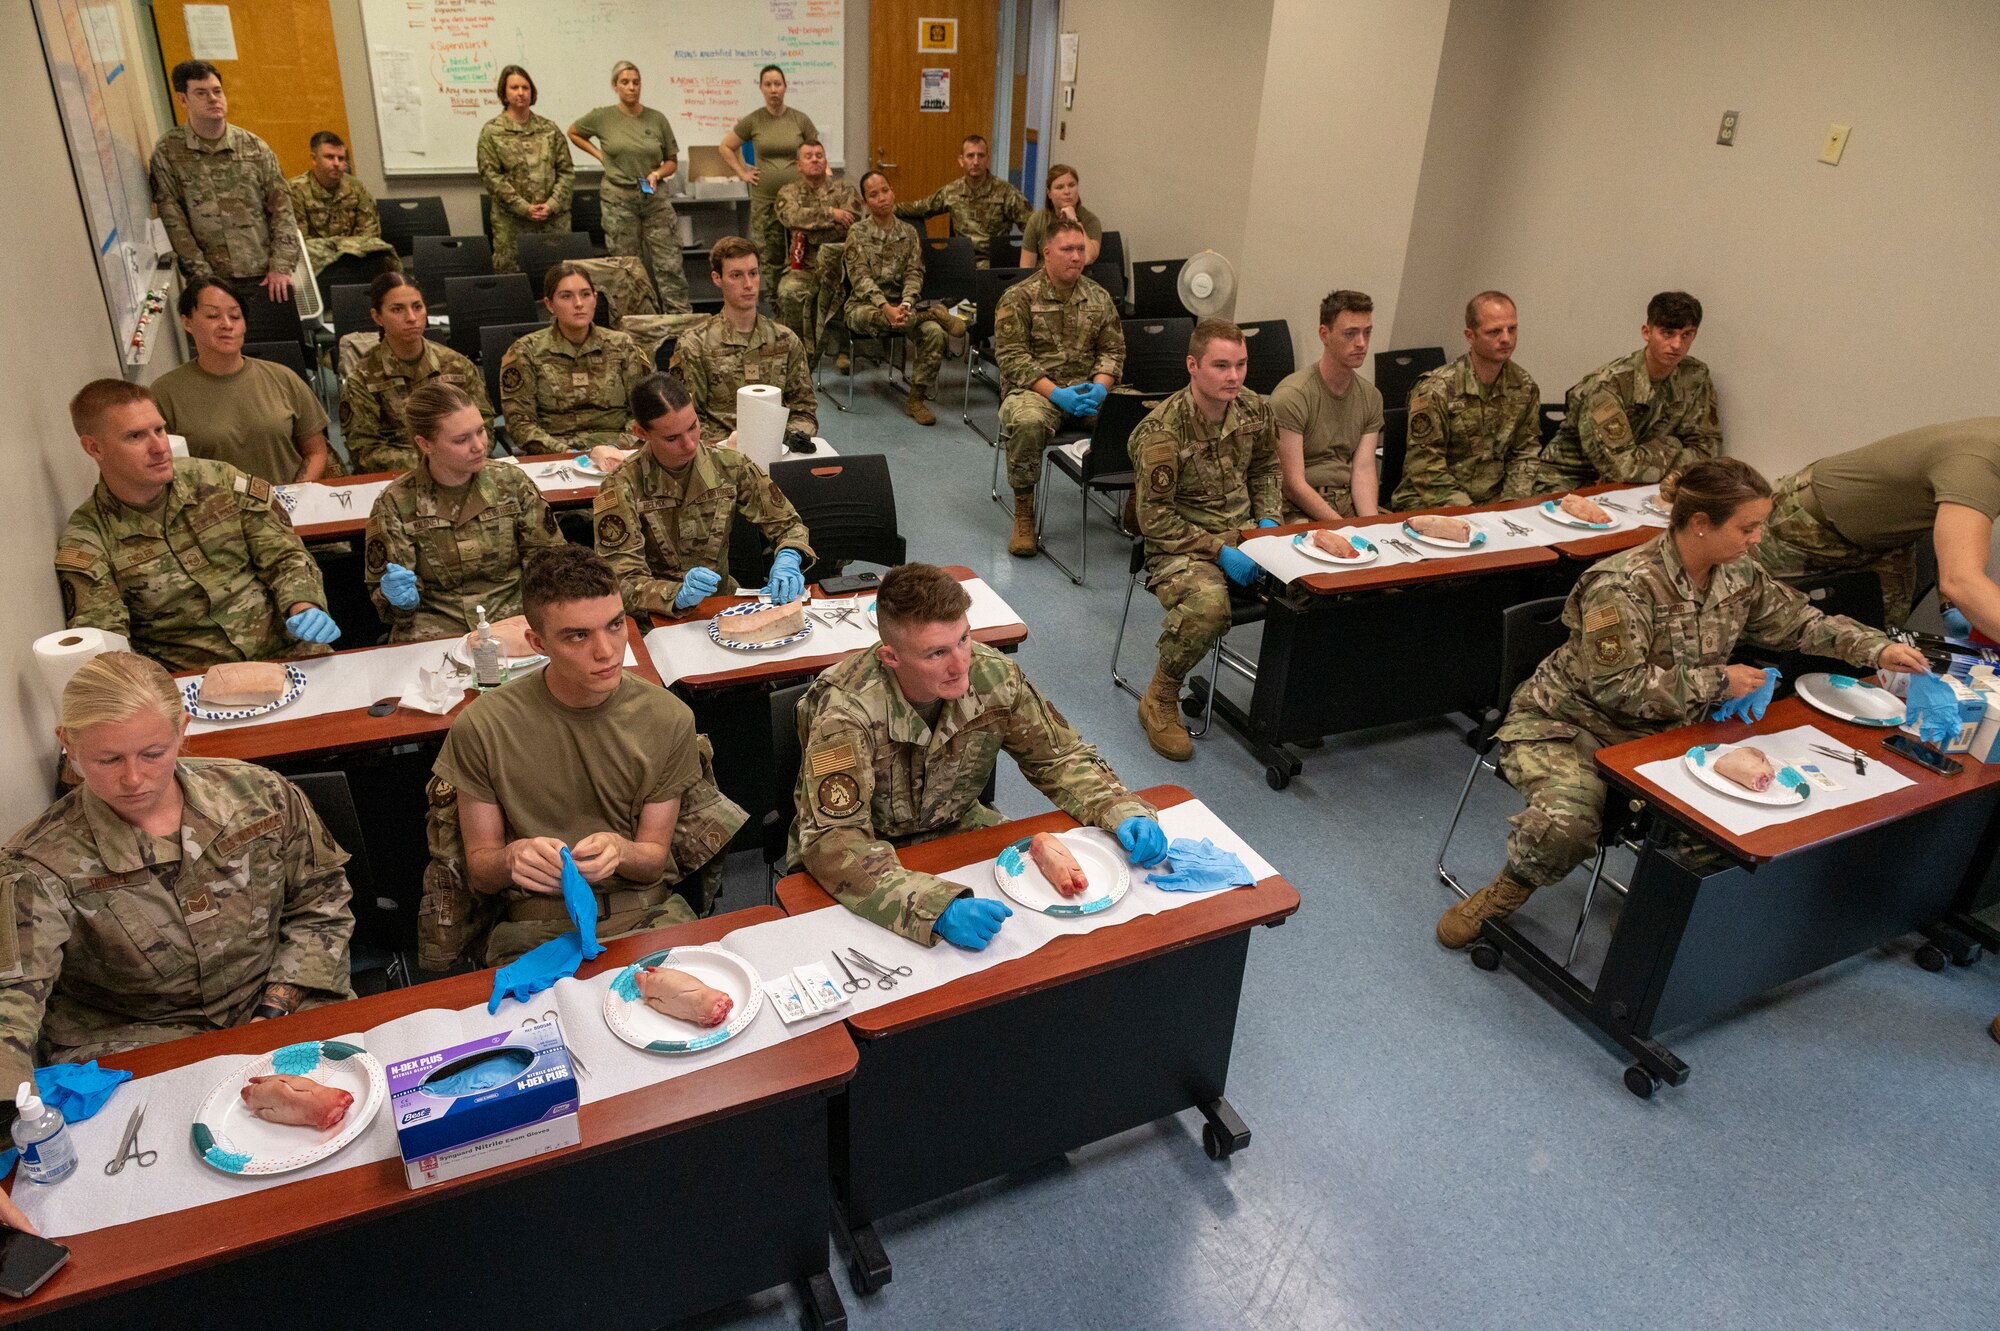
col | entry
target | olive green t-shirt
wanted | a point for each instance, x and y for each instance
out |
(777, 139)
(1331, 427)
(566, 772)
(1037, 229)
(254, 419)
(632, 145)
(1886, 494)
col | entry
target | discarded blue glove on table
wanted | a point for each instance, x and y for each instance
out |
(1144, 840)
(1071, 401)
(399, 587)
(1200, 866)
(534, 971)
(581, 903)
(696, 584)
(971, 922)
(1238, 567)
(1750, 707)
(1934, 707)
(312, 626)
(787, 584)
(78, 1089)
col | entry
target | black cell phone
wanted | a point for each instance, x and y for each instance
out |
(852, 582)
(1923, 755)
(26, 1261)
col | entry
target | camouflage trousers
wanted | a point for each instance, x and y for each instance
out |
(767, 233)
(1196, 596)
(507, 231)
(133, 1033)
(1028, 421)
(807, 297)
(1797, 544)
(1558, 829)
(1338, 496)
(644, 225)
(928, 341)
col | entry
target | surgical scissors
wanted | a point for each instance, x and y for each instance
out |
(890, 970)
(885, 980)
(854, 982)
(553, 1019)
(128, 1146)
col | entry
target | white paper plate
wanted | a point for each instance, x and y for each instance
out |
(295, 687)
(715, 634)
(1477, 538)
(1553, 510)
(1658, 507)
(460, 652)
(642, 1027)
(1368, 553)
(1863, 704)
(228, 1137)
(1779, 794)
(1018, 877)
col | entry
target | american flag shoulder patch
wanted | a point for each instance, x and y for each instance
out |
(836, 759)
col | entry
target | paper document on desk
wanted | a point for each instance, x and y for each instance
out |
(1784, 747)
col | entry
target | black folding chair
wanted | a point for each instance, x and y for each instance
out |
(539, 251)
(486, 216)
(385, 929)
(1271, 357)
(1156, 289)
(586, 214)
(288, 354)
(1111, 250)
(496, 298)
(783, 777)
(267, 320)
(403, 220)
(1246, 606)
(494, 339)
(440, 258)
(948, 270)
(1397, 372)
(704, 296)
(988, 285)
(1552, 414)
(1111, 277)
(1101, 467)
(1389, 458)
(1156, 353)
(350, 311)
(848, 504)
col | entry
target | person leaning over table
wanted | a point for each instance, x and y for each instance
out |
(739, 346)
(776, 132)
(983, 207)
(885, 278)
(564, 387)
(663, 518)
(254, 414)
(815, 211)
(524, 163)
(637, 147)
(1065, 199)
(581, 754)
(373, 393)
(336, 213)
(190, 560)
(452, 534)
(900, 738)
(1475, 424)
(1329, 419)
(1651, 633)
(1206, 466)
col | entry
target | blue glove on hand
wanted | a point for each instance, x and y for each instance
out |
(399, 587)
(1070, 402)
(1957, 626)
(787, 584)
(1238, 567)
(312, 626)
(1267, 522)
(1143, 839)
(535, 971)
(78, 1090)
(971, 922)
(1750, 707)
(1934, 707)
(696, 584)
(1200, 866)
(581, 903)
(1094, 394)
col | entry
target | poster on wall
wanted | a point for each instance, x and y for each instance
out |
(936, 93)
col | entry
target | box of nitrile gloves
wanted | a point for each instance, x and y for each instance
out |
(490, 1101)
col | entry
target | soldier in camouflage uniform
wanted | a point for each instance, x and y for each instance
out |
(983, 207)
(1643, 415)
(1475, 424)
(885, 278)
(815, 210)
(740, 346)
(564, 387)
(191, 560)
(221, 197)
(373, 393)
(897, 746)
(335, 211)
(525, 165)
(1055, 335)
(1206, 467)
(117, 938)
(1651, 634)
(467, 549)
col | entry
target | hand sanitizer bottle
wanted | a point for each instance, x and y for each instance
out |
(486, 655)
(47, 1153)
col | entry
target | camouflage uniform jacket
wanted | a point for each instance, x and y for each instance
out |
(461, 563)
(552, 388)
(875, 777)
(1647, 652)
(979, 210)
(224, 205)
(804, 206)
(1199, 484)
(209, 577)
(374, 392)
(653, 527)
(111, 945)
(1471, 442)
(714, 360)
(336, 222)
(523, 165)
(886, 267)
(1621, 426)
(1039, 333)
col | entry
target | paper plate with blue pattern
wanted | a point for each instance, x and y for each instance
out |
(643, 1027)
(1022, 881)
(229, 1138)
(295, 687)
(715, 633)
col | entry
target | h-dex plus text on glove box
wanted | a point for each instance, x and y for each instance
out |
(490, 1101)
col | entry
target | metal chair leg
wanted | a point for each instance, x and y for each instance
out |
(1583, 915)
(1214, 684)
(998, 453)
(1464, 794)
(1118, 643)
(1075, 575)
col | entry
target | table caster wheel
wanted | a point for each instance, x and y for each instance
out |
(1215, 1144)
(1277, 778)
(1640, 1082)
(1484, 955)
(1931, 957)
(1193, 705)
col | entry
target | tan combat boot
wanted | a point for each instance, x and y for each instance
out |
(1495, 901)
(918, 410)
(1022, 543)
(1994, 1029)
(1160, 718)
(843, 363)
(953, 325)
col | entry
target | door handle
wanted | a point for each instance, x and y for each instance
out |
(881, 165)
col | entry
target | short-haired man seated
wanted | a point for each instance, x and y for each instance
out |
(336, 213)
(581, 754)
(900, 738)
(739, 346)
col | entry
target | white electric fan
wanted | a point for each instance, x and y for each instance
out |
(1207, 285)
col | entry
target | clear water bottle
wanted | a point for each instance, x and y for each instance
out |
(486, 667)
(47, 1153)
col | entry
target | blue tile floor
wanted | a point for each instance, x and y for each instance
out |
(1436, 1146)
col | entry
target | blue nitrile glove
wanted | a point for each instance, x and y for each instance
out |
(532, 972)
(1143, 839)
(78, 1089)
(1094, 394)
(1238, 567)
(1070, 402)
(1750, 707)
(1267, 522)
(312, 626)
(1957, 626)
(581, 903)
(1934, 707)
(696, 584)
(399, 587)
(787, 584)
(971, 922)
(1200, 866)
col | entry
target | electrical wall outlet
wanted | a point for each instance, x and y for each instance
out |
(1835, 145)
(1726, 136)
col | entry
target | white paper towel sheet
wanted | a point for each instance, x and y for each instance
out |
(1784, 747)
(61, 654)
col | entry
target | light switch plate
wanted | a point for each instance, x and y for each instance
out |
(1836, 144)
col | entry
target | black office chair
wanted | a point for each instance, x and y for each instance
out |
(704, 296)
(494, 339)
(1111, 250)
(1271, 356)
(385, 930)
(1397, 372)
(267, 320)
(486, 216)
(496, 298)
(539, 251)
(1551, 419)
(1111, 277)
(1004, 251)
(349, 309)
(1156, 289)
(288, 354)
(439, 258)
(848, 503)
(949, 270)
(1390, 457)
(988, 285)
(783, 777)
(403, 220)
(352, 270)
(1103, 466)
(1246, 606)
(586, 214)
(1156, 354)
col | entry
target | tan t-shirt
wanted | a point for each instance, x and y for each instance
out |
(1037, 229)
(633, 146)
(1331, 427)
(565, 772)
(777, 140)
(1885, 495)
(254, 419)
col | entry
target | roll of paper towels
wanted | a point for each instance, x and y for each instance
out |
(59, 655)
(760, 422)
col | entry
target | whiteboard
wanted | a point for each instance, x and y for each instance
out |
(101, 74)
(434, 64)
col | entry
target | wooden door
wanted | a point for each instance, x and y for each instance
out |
(284, 85)
(918, 150)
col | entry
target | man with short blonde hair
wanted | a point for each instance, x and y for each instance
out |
(1475, 424)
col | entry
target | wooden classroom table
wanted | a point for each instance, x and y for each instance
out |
(1087, 1036)
(352, 527)
(682, 1197)
(1700, 935)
